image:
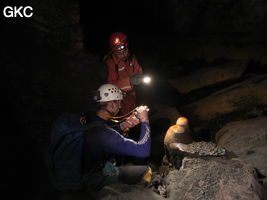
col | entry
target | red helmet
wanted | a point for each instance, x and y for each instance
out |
(118, 41)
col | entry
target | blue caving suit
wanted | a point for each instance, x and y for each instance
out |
(102, 141)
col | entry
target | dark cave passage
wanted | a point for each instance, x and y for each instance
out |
(205, 65)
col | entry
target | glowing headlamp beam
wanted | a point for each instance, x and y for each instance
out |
(147, 79)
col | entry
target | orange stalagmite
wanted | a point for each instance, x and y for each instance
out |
(182, 121)
(178, 133)
(171, 133)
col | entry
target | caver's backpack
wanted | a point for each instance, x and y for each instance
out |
(65, 151)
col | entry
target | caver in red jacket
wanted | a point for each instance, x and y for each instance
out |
(119, 73)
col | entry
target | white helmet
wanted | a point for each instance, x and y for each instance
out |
(108, 92)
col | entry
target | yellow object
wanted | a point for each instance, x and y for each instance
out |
(148, 175)
(103, 114)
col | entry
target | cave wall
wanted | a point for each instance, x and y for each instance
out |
(218, 17)
(165, 33)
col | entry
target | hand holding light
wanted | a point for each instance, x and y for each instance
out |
(139, 78)
(136, 79)
(142, 113)
(130, 122)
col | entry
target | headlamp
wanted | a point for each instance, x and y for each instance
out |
(147, 79)
(120, 47)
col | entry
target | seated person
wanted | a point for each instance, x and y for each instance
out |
(102, 142)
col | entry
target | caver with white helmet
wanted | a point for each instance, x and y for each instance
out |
(106, 139)
(108, 92)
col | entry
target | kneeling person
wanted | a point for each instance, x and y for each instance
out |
(103, 141)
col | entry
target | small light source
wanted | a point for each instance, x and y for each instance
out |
(146, 79)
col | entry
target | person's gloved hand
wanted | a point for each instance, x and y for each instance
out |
(143, 113)
(136, 79)
(130, 122)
